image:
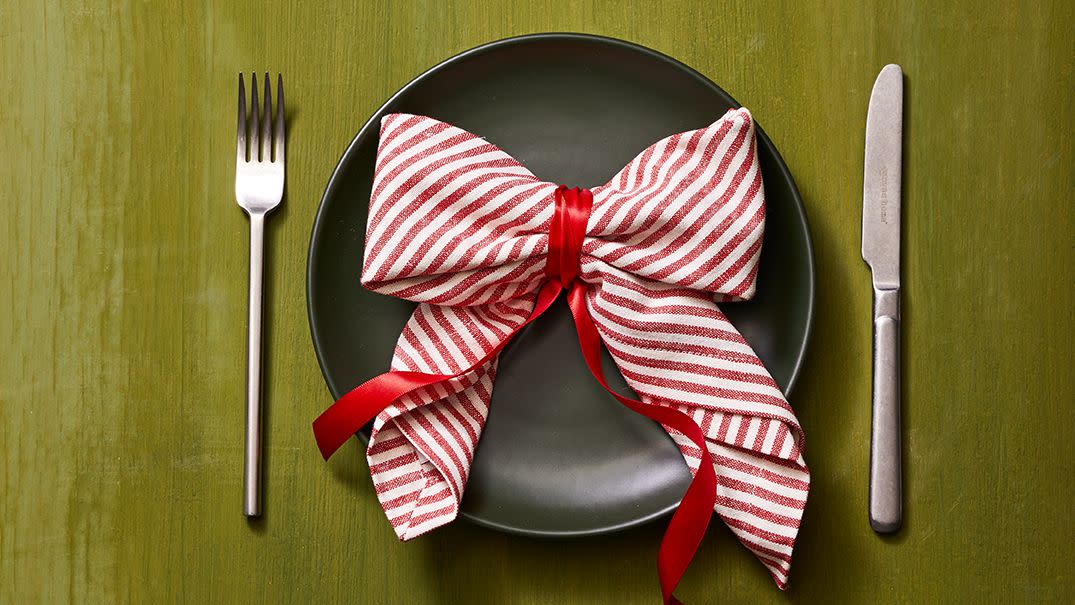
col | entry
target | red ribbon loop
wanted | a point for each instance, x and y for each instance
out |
(566, 232)
(567, 229)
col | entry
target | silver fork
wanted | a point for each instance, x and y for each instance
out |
(259, 186)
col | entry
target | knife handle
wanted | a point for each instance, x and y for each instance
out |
(886, 500)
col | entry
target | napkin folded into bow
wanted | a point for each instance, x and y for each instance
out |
(461, 227)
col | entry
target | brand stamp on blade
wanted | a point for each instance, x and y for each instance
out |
(884, 195)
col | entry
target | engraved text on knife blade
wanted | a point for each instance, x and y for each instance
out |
(884, 195)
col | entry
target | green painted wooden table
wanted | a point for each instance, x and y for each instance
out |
(123, 293)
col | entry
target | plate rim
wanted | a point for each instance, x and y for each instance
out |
(371, 122)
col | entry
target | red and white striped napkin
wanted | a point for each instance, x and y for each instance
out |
(461, 227)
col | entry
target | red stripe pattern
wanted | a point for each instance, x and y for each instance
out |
(460, 226)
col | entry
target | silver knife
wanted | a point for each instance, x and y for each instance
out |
(881, 251)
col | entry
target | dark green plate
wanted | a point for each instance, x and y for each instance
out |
(558, 457)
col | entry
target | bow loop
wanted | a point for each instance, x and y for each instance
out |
(453, 219)
(688, 211)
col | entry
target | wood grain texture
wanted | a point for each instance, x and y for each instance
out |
(123, 292)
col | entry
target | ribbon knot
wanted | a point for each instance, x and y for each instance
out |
(465, 230)
(567, 229)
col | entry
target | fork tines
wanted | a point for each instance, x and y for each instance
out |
(264, 146)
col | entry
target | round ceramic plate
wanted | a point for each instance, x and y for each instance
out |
(558, 456)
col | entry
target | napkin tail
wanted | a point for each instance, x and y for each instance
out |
(422, 445)
(759, 498)
(706, 370)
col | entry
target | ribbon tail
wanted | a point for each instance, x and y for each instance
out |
(352, 411)
(362, 404)
(691, 519)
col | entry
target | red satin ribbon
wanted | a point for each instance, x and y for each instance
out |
(566, 232)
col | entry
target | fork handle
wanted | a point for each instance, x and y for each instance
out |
(252, 468)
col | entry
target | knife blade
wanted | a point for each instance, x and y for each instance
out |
(882, 172)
